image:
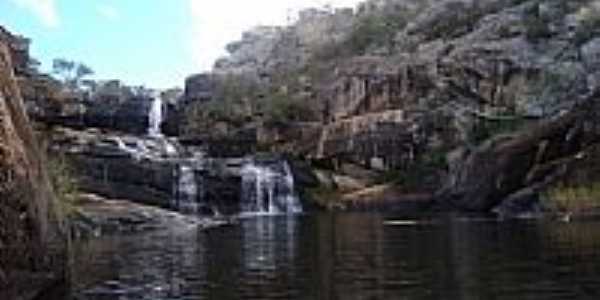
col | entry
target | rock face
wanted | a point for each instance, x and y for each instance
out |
(32, 238)
(451, 74)
(507, 173)
(109, 105)
(199, 88)
(120, 167)
(266, 50)
(129, 116)
(149, 170)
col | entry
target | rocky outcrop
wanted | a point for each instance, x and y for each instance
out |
(120, 167)
(456, 73)
(199, 88)
(266, 50)
(32, 237)
(19, 51)
(507, 173)
(149, 170)
(129, 116)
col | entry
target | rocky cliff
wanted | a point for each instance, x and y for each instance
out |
(402, 84)
(32, 238)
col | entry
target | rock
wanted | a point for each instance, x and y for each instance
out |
(264, 50)
(101, 216)
(304, 175)
(508, 172)
(199, 88)
(590, 53)
(325, 179)
(140, 169)
(30, 219)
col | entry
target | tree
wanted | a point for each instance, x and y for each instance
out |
(71, 72)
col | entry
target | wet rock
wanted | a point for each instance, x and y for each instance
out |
(97, 215)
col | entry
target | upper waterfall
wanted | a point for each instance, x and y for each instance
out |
(155, 116)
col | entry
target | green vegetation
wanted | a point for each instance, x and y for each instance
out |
(589, 25)
(239, 101)
(232, 105)
(278, 109)
(374, 31)
(70, 72)
(575, 198)
(536, 25)
(418, 174)
(486, 129)
(64, 183)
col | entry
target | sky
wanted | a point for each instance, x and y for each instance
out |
(156, 43)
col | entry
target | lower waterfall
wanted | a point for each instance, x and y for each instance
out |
(188, 191)
(268, 188)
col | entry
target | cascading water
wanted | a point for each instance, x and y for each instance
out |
(268, 188)
(186, 199)
(155, 116)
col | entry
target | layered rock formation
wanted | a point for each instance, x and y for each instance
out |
(403, 83)
(32, 237)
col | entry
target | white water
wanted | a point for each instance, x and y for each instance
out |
(269, 189)
(187, 190)
(155, 116)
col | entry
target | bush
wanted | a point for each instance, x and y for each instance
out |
(279, 109)
(374, 31)
(420, 174)
(576, 198)
(64, 182)
(536, 26)
(588, 29)
(486, 129)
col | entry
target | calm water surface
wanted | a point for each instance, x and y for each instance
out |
(347, 256)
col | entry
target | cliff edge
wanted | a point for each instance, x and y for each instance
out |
(32, 239)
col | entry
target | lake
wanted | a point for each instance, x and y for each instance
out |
(347, 256)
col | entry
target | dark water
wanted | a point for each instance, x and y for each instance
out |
(347, 256)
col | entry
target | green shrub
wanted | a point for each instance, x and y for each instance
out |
(419, 173)
(588, 29)
(575, 198)
(64, 182)
(536, 26)
(280, 109)
(486, 129)
(373, 31)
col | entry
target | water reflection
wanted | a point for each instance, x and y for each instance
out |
(347, 256)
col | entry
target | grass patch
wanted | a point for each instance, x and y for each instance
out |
(574, 198)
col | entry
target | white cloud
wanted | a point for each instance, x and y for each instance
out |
(216, 23)
(44, 10)
(108, 12)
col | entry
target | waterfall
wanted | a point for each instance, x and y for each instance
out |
(268, 188)
(187, 190)
(155, 116)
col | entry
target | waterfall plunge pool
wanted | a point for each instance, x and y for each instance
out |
(346, 256)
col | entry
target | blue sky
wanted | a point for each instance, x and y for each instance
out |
(156, 43)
